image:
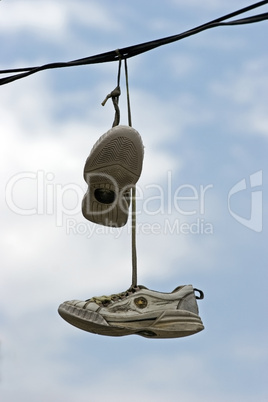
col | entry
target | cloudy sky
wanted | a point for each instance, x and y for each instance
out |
(200, 105)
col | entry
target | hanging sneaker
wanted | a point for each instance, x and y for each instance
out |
(112, 168)
(138, 311)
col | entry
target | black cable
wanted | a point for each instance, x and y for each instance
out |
(135, 50)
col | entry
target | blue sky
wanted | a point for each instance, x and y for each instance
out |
(201, 107)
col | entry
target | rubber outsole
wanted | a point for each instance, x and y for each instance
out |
(170, 324)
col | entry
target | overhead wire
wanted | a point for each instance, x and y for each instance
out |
(135, 50)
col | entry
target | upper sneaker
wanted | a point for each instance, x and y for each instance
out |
(112, 168)
(138, 311)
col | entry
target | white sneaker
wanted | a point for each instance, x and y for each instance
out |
(138, 311)
(112, 168)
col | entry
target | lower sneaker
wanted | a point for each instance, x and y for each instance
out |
(138, 311)
(112, 168)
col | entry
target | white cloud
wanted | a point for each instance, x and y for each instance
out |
(208, 5)
(53, 20)
(244, 97)
(43, 17)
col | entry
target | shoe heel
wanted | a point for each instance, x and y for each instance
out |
(173, 324)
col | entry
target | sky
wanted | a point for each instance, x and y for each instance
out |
(200, 105)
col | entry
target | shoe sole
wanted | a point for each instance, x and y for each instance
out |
(170, 324)
(118, 154)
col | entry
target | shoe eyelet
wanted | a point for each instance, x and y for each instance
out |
(141, 302)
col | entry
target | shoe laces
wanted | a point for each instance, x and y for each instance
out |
(104, 301)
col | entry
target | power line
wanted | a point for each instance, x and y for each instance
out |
(131, 51)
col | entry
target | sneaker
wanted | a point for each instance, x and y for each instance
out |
(112, 168)
(138, 311)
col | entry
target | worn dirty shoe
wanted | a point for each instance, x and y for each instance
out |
(112, 168)
(138, 311)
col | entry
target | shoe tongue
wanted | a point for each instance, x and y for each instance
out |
(135, 289)
(141, 287)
